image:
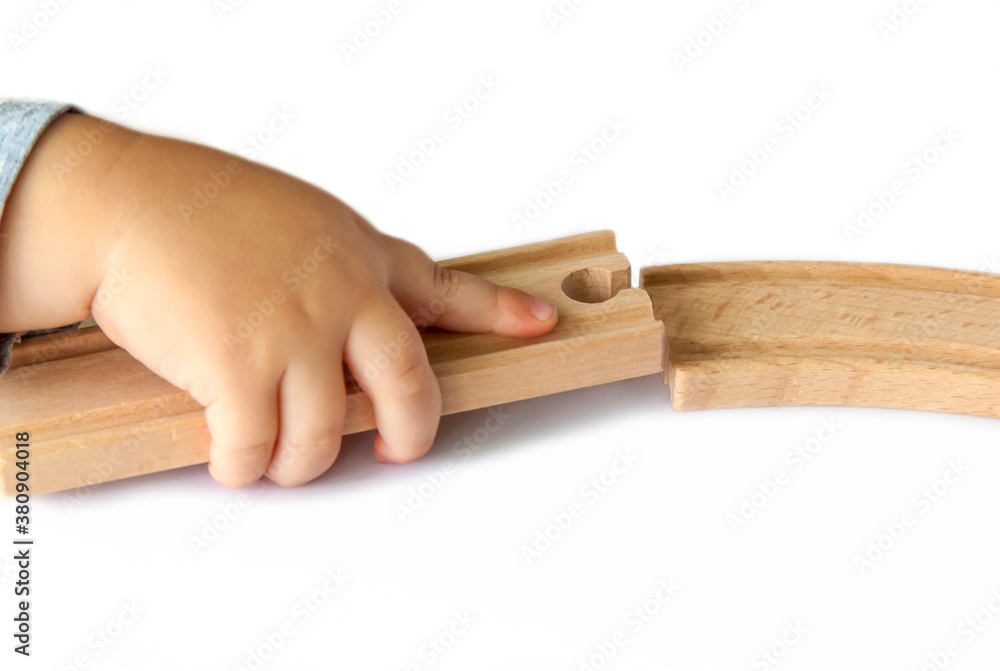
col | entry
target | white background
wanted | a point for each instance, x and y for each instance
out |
(665, 517)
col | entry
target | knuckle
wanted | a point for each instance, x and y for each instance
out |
(494, 292)
(361, 270)
(412, 378)
(447, 283)
(321, 443)
(287, 477)
(408, 251)
(298, 462)
(240, 466)
(403, 452)
(362, 224)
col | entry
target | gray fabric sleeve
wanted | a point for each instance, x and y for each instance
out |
(21, 124)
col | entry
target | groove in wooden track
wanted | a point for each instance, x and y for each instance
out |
(763, 333)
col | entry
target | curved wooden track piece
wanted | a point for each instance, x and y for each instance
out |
(770, 333)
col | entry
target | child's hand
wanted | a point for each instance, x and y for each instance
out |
(243, 286)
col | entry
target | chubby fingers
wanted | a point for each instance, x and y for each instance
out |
(459, 301)
(243, 422)
(387, 357)
(286, 426)
(313, 403)
(290, 428)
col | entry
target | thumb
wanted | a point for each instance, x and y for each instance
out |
(458, 301)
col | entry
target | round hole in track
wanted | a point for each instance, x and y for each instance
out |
(589, 285)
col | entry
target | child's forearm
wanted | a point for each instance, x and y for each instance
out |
(59, 222)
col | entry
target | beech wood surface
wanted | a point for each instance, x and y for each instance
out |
(770, 333)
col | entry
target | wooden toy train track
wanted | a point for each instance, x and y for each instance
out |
(759, 333)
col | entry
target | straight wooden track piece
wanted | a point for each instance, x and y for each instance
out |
(96, 414)
(767, 333)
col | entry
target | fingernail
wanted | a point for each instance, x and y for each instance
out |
(542, 310)
(378, 453)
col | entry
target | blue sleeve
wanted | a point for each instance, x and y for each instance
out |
(21, 124)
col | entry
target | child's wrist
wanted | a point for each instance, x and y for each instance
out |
(61, 218)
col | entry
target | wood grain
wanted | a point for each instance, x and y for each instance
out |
(766, 333)
(96, 414)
